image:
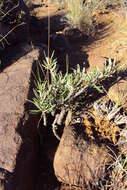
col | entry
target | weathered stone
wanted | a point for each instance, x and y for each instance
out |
(15, 128)
(79, 161)
(118, 92)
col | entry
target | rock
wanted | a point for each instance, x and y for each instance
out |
(17, 131)
(73, 35)
(79, 161)
(118, 93)
(34, 2)
(58, 42)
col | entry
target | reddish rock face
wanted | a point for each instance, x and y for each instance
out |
(17, 132)
(77, 161)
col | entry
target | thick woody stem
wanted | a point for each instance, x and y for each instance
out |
(58, 121)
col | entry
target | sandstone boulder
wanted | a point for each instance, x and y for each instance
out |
(79, 161)
(118, 92)
(16, 129)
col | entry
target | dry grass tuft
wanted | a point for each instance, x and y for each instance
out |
(81, 14)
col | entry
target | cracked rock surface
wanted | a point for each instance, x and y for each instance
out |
(14, 89)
